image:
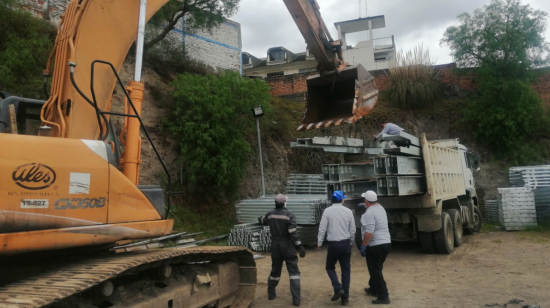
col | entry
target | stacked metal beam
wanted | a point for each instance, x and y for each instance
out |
(258, 237)
(542, 204)
(517, 208)
(491, 211)
(307, 208)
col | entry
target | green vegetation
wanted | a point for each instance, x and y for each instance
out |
(25, 44)
(412, 82)
(490, 227)
(211, 120)
(213, 220)
(505, 40)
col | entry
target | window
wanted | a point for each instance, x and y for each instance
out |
(307, 70)
(275, 74)
(278, 55)
(245, 59)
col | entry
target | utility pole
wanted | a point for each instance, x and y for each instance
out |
(258, 112)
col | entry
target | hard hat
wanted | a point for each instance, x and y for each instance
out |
(370, 195)
(338, 195)
(280, 198)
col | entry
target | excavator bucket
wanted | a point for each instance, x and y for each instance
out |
(339, 98)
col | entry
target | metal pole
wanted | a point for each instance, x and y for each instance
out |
(140, 39)
(260, 154)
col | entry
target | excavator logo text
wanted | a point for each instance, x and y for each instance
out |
(34, 176)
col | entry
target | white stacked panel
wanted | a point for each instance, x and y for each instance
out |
(530, 176)
(517, 208)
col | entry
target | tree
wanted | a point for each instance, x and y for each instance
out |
(505, 35)
(198, 14)
(504, 41)
(211, 120)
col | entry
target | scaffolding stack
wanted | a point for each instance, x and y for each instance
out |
(308, 209)
(530, 176)
(306, 184)
(258, 237)
(517, 208)
(491, 211)
(542, 204)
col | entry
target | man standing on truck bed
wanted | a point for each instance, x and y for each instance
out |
(389, 129)
(376, 246)
(338, 221)
(284, 243)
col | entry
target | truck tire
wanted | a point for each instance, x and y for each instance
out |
(478, 221)
(444, 237)
(358, 238)
(457, 226)
(427, 241)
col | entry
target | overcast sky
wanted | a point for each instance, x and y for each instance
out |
(267, 23)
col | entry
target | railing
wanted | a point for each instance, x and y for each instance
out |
(384, 43)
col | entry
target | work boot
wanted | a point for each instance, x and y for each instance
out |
(337, 294)
(345, 302)
(296, 303)
(383, 301)
(271, 294)
(370, 292)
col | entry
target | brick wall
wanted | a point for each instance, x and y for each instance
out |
(286, 86)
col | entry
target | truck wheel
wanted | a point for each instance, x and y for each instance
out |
(444, 237)
(358, 238)
(478, 221)
(427, 241)
(457, 226)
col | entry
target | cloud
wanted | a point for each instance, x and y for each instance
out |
(267, 23)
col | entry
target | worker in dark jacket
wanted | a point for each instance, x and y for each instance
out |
(284, 245)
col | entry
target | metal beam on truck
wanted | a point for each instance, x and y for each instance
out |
(412, 151)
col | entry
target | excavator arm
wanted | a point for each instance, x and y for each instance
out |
(339, 94)
(326, 51)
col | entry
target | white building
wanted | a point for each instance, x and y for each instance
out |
(372, 53)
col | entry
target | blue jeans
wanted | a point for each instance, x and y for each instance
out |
(339, 252)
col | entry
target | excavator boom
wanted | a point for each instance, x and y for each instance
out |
(339, 94)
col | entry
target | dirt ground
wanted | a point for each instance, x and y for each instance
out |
(488, 270)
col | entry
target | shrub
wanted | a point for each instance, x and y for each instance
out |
(508, 116)
(412, 82)
(211, 120)
(25, 44)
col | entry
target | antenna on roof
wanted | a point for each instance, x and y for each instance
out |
(359, 9)
(366, 10)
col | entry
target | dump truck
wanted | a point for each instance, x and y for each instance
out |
(427, 187)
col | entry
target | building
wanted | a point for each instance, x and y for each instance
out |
(220, 48)
(372, 53)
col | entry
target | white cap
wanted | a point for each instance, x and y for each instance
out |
(370, 196)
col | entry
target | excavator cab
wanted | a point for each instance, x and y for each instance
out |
(339, 98)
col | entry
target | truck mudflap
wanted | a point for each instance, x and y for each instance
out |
(224, 276)
(339, 98)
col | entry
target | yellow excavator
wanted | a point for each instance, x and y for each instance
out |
(69, 193)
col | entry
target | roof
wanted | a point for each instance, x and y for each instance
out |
(361, 24)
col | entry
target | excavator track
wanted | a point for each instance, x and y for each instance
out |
(56, 287)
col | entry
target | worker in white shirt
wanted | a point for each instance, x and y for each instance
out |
(338, 222)
(389, 129)
(376, 246)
